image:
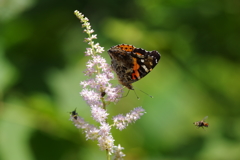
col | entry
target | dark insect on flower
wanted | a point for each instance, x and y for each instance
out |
(103, 93)
(74, 114)
(201, 123)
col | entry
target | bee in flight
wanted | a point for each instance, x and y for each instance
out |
(201, 123)
(74, 114)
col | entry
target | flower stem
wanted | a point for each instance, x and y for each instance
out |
(108, 155)
(104, 103)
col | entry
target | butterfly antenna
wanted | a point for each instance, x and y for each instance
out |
(126, 94)
(144, 92)
(122, 89)
(136, 94)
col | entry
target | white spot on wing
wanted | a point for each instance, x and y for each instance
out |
(145, 68)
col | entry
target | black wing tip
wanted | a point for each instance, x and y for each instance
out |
(144, 51)
(156, 53)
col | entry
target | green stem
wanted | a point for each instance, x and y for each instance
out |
(103, 102)
(108, 156)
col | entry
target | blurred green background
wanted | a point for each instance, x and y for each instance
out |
(42, 60)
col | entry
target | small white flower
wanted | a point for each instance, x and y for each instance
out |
(91, 97)
(92, 133)
(90, 31)
(106, 143)
(99, 114)
(113, 94)
(85, 19)
(102, 79)
(91, 43)
(118, 154)
(104, 129)
(94, 36)
(88, 51)
(121, 122)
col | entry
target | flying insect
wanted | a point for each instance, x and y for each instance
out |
(201, 123)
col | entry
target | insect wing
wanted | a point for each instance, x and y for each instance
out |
(204, 118)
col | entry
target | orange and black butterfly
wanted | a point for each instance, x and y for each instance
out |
(201, 123)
